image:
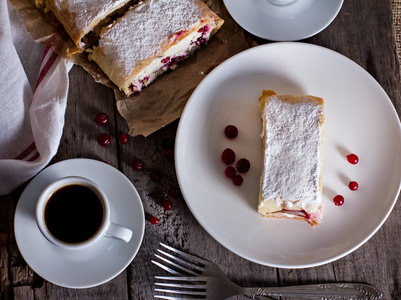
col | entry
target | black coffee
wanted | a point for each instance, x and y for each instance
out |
(73, 214)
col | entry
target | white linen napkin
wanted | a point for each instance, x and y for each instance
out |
(33, 97)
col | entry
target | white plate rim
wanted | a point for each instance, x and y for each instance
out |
(182, 125)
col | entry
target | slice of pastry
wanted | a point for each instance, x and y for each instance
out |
(80, 18)
(151, 38)
(291, 180)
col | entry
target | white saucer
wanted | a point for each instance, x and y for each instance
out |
(93, 265)
(293, 22)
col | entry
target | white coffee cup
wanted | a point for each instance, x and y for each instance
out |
(73, 212)
(281, 2)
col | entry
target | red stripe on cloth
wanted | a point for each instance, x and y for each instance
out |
(27, 151)
(47, 48)
(35, 157)
(46, 68)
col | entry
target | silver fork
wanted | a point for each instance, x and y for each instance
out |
(190, 265)
(219, 289)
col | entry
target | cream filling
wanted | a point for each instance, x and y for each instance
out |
(184, 48)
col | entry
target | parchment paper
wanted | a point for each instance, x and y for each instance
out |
(163, 101)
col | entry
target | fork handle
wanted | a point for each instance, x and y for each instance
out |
(329, 291)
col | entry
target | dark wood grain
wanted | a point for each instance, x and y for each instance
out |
(363, 31)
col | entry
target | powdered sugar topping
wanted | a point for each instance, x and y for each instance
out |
(84, 14)
(292, 153)
(144, 28)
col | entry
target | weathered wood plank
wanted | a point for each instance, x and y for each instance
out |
(362, 31)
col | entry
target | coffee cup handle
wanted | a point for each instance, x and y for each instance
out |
(119, 232)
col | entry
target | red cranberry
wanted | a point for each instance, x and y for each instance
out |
(237, 180)
(338, 200)
(352, 159)
(353, 185)
(231, 131)
(228, 156)
(167, 204)
(137, 164)
(155, 176)
(123, 138)
(102, 119)
(173, 191)
(153, 220)
(230, 172)
(169, 154)
(243, 165)
(104, 139)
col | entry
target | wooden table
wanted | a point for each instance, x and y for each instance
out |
(363, 31)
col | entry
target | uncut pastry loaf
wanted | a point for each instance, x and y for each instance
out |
(291, 179)
(152, 37)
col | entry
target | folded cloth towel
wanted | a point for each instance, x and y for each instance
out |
(33, 98)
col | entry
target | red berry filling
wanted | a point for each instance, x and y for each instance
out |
(178, 35)
(338, 200)
(165, 60)
(228, 156)
(102, 119)
(243, 165)
(352, 159)
(231, 131)
(171, 63)
(104, 139)
(205, 30)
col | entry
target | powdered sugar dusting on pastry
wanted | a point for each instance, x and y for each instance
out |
(292, 153)
(145, 27)
(85, 15)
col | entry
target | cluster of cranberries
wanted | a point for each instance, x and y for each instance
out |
(104, 139)
(173, 191)
(353, 185)
(228, 158)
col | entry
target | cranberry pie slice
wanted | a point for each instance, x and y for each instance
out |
(291, 180)
(82, 19)
(152, 37)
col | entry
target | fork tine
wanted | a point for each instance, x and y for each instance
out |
(186, 255)
(184, 278)
(185, 286)
(184, 265)
(197, 288)
(174, 272)
(173, 298)
(188, 293)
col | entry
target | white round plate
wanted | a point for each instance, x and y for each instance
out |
(360, 119)
(300, 20)
(95, 264)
